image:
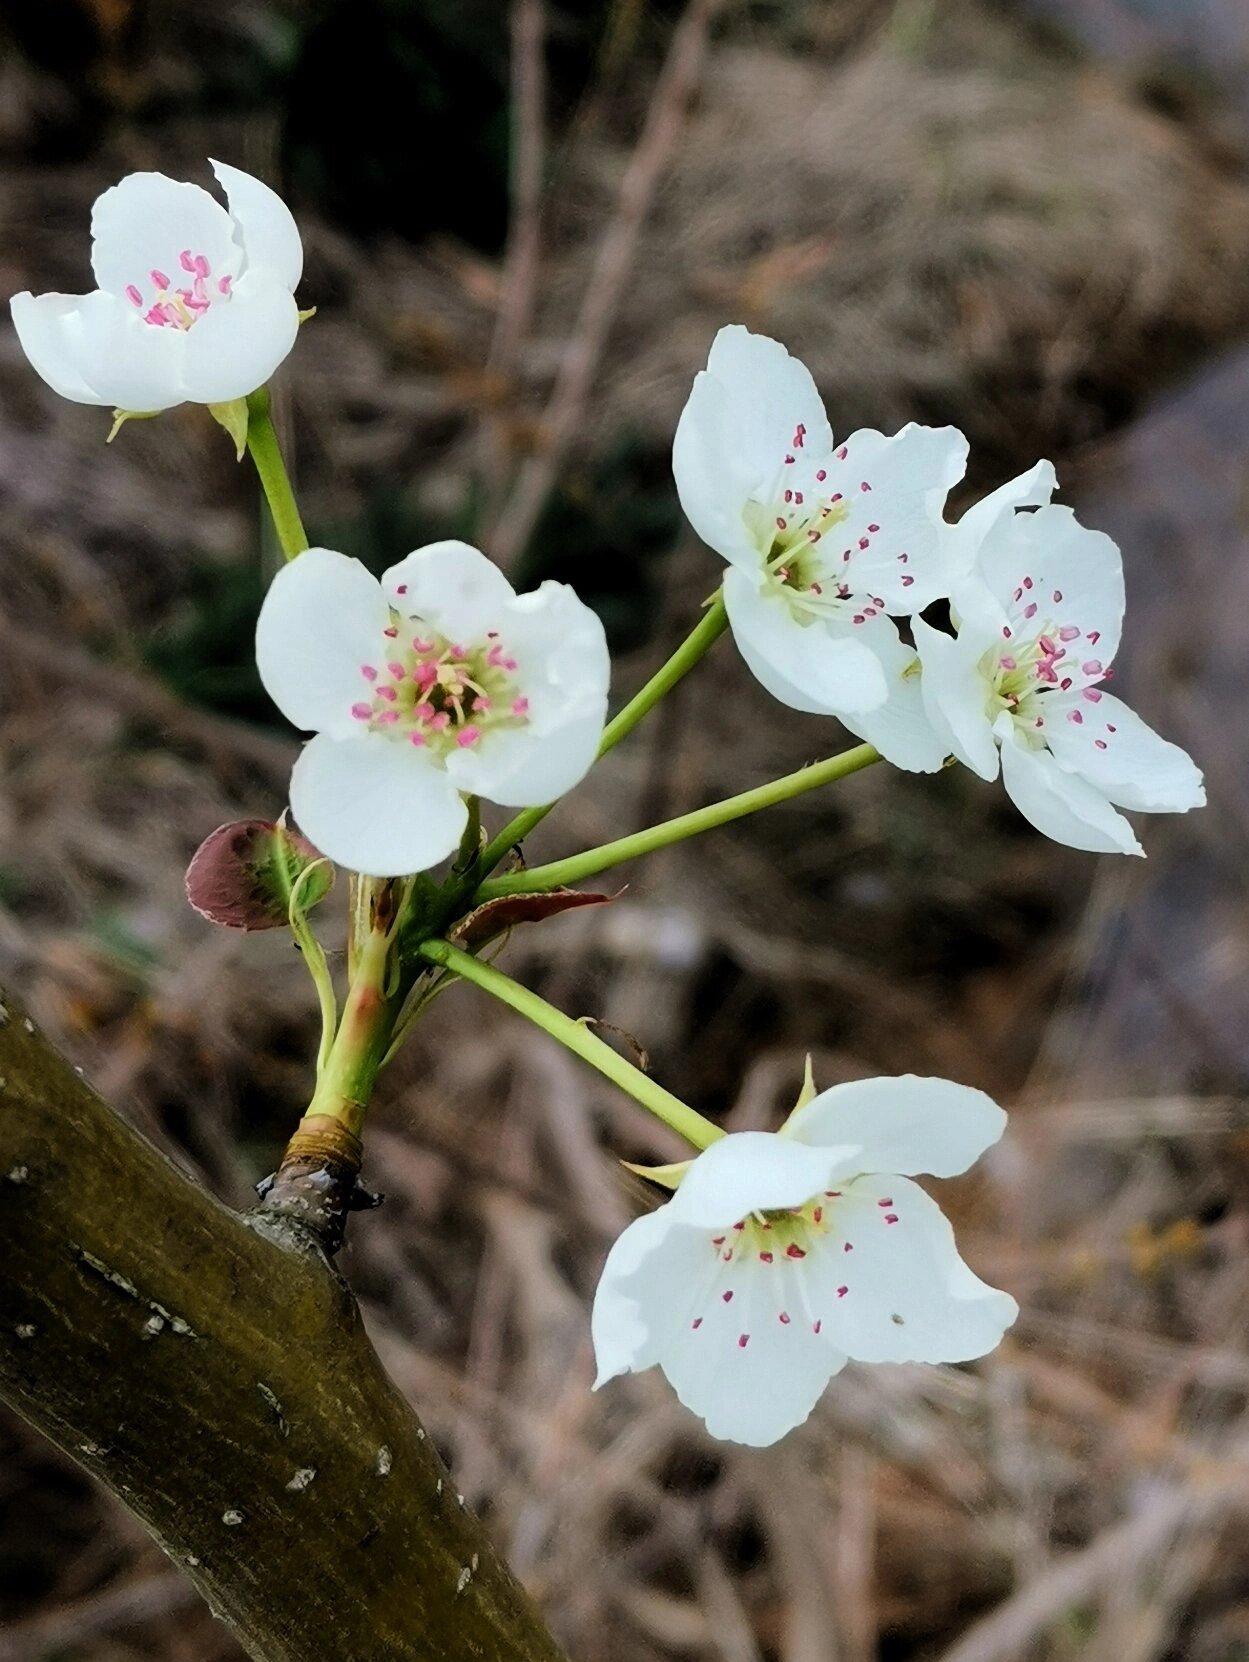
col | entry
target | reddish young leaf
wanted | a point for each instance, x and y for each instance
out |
(510, 909)
(242, 875)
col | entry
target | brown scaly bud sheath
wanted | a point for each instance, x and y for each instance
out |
(316, 1184)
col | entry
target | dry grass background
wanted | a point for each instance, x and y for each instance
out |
(954, 215)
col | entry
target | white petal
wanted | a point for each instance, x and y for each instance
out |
(147, 222)
(715, 477)
(132, 364)
(773, 394)
(908, 1295)
(754, 1171)
(321, 623)
(1048, 570)
(907, 1125)
(1122, 757)
(453, 587)
(734, 1338)
(373, 804)
(48, 328)
(984, 520)
(561, 650)
(955, 693)
(523, 768)
(807, 665)
(238, 343)
(1061, 805)
(266, 226)
(907, 478)
(900, 729)
(625, 1326)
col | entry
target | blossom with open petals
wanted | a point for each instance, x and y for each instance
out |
(826, 542)
(438, 680)
(783, 1255)
(195, 301)
(1020, 686)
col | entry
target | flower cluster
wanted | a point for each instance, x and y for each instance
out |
(781, 1256)
(828, 544)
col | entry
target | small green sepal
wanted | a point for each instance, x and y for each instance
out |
(232, 415)
(668, 1177)
(121, 417)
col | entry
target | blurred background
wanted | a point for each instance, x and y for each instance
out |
(523, 227)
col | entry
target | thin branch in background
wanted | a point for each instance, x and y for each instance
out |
(524, 246)
(661, 131)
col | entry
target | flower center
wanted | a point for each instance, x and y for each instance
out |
(170, 307)
(1035, 660)
(437, 694)
(791, 526)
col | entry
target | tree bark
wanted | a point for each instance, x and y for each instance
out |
(212, 1370)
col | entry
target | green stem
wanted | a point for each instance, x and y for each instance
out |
(578, 1038)
(538, 879)
(262, 441)
(695, 646)
(346, 1081)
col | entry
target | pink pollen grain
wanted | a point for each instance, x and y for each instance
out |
(397, 671)
(783, 1318)
(842, 1291)
(765, 1257)
(388, 693)
(1100, 744)
(1094, 636)
(743, 1341)
(417, 739)
(848, 1246)
(159, 278)
(696, 1323)
(816, 1326)
(133, 295)
(369, 672)
(1058, 594)
(891, 1217)
(1074, 715)
(1029, 610)
(821, 476)
(1068, 632)
(1093, 695)
(793, 1250)
(843, 452)
(362, 712)
(469, 735)
(884, 1203)
(1092, 667)
(727, 1296)
(907, 581)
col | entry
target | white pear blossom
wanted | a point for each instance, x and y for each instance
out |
(195, 302)
(826, 543)
(438, 680)
(1020, 686)
(785, 1254)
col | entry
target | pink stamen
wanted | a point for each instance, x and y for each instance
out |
(388, 693)
(1074, 715)
(440, 722)
(743, 1341)
(368, 672)
(397, 671)
(1068, 632)
(133, 295)
(783, 1318)
(1100, 743)
(467, 736)
(1093, 694)
(388, 717)
(417, 739)
(1029, 610)
(159, 279)
(793, 1250)
(362, 712)
(520, 706)
(1093, 667)
(842, 1291)
(225, 284)
(727, 1295)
